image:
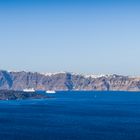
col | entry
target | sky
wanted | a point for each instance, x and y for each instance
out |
(82, 36)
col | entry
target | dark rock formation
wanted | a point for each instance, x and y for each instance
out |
(19, 95)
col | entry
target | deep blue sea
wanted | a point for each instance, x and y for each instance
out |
(72, 116)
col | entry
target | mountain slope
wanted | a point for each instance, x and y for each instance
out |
(67, 81)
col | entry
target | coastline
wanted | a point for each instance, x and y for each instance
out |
(20, 95)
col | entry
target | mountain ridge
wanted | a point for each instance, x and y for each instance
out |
(11, 80)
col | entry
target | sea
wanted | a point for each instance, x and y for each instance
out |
(72, 115)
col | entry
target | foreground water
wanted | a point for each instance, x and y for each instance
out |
(73, 116)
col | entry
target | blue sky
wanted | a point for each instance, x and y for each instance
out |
(98, 36)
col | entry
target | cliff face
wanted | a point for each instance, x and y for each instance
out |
(66, 81)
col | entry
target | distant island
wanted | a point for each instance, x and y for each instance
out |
(19, 95)
(64, 81)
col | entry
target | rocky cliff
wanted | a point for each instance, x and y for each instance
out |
(67, 81)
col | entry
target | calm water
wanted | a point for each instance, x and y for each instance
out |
(73, 116)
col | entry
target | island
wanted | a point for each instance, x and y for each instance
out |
(66, 81)
(20, 95)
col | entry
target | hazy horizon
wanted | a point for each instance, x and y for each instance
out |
(81, 36)
(72, 72)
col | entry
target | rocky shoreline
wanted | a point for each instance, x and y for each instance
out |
(19, 95)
